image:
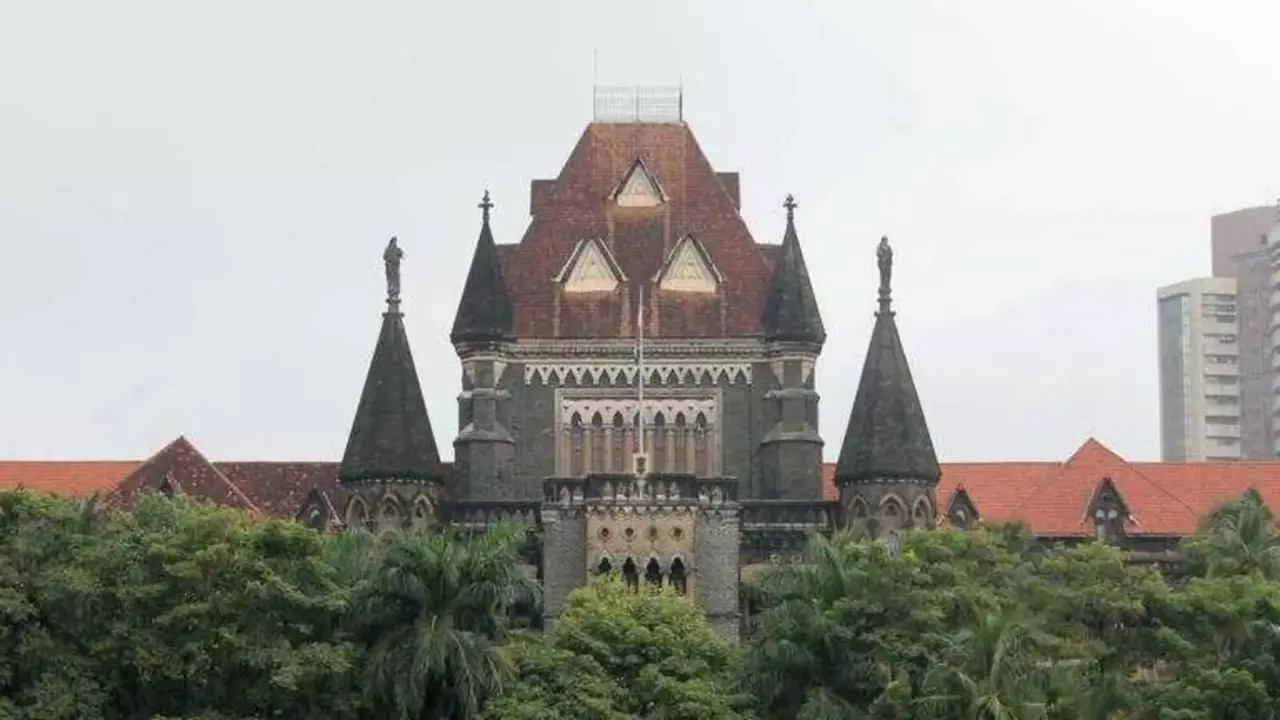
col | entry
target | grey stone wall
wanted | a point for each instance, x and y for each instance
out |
(717, 570)
(564, 558)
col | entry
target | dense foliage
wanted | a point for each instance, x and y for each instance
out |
(175, 609)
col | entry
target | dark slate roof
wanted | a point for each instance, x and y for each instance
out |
(790, 308)
(887, 435)
(391, 436)
(485, 311)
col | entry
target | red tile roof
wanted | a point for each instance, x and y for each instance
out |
(1052, 498)
(68, 479)
(577, 205)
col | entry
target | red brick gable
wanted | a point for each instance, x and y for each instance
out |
(577, 205)
(179, 467)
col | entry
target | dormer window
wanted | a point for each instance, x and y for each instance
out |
(591, 268)
(961, 511)
(638, 188)
(1108, 512)
(688, 269)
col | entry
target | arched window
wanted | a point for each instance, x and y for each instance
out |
(653, 573)
(921, 517)
(678, 581)
(605, 567)
(576, 465)
(660, 462)
(597, 443)
(891, 514)
(421, 512)
(631, 574)
(681, 444)
(700, 454)
(619, 444)
(389, 516)
(357, 513)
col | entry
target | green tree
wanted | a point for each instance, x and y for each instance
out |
(638, 653)
(198, 610)
(990, 671)
(431, 611)
(1237, 537)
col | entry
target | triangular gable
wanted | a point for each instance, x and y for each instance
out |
(961, 510)
(319, 512)
(590, 268)
(688, 268)
(179, 465)
(638, 188)
(1059, 506)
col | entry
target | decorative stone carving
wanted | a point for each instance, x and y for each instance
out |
(625, 372)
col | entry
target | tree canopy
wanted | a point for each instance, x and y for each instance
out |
(176, 609)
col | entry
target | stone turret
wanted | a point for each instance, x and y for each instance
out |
(391, 464)
(888, 471)
(792, 449)
(484, 448)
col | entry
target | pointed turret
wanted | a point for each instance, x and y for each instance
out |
(485, 313)
(887, 437)
(887, 459)
(391, 438)
(790, 308)
(791, 451)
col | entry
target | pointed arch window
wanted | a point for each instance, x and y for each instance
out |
(389, 516)
(679, 582)
(631, 574)
(604, 567)
(921, 515)
(660, 442)
(357, 513)
(681, 444)
(618, 462)
(891, 514)
(597, 443)
(701, 456)
(576, 432)
(653, 573)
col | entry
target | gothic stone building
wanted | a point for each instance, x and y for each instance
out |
(638, 385)
(638, 389)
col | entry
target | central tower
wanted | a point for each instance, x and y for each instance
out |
(638, 236)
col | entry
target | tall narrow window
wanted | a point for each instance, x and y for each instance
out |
(576, 464)
(597, 443)
(660, 463)
(653, 573)
(605, 567)
(678, 581)
(631, 574)
(619, 460)
(700, 454)
(681, 444)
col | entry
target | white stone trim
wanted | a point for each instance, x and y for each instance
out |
(587, 407)
(624, 373)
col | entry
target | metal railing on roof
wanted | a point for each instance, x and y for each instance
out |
(638, 104)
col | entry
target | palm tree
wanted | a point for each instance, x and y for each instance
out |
(432, 610)
(1242, 538)
(989, 673)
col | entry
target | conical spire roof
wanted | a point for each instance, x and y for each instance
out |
(485, 311)
(887, 437)
(790, 308)
(391, 437)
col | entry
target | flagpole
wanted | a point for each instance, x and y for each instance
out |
(640, 373)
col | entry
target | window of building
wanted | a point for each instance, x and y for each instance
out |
(679, 582)
(681, 444)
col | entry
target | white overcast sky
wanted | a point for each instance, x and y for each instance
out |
(194, 196)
